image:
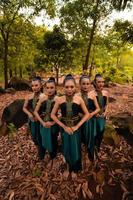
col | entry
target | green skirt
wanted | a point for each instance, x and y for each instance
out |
(100, 127)
(49, 137)
(36, 137)
(88, 131)
(71, 147)
(35, 131)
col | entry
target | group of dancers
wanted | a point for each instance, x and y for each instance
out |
(77, 117)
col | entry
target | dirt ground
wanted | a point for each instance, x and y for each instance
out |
(24, 177)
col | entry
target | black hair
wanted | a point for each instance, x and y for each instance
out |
(83, 76)
(37, 78)
(51, 80)
(96, 76)
(69, 77)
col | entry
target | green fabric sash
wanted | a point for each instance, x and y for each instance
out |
(88, 131)
(71, 147)
(100, 127)
(36, 137)
(47, 112)
(69, 106)
(35, 100)
(100, 101)
(71, 144)
(46, 134)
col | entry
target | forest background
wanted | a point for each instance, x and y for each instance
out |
(82, 41)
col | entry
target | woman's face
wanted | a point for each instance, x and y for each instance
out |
(36, 86)
(50, 88)
(69, 87)
(99, 83)
(85, 84)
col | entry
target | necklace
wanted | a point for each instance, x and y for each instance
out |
(35, 99)
(69, 101)
(84, 96)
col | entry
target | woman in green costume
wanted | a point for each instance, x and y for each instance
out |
(70, 123)
(88, 129)
(28, 108)
(48, 128)
(102, 98)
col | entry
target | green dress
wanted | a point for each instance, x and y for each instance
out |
(100, 121)
(88, 129)
(71, 144)
(35, 128)
(49, 135)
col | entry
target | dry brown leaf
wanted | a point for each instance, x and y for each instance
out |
(78, 188)
(39, 188)
(101, 191)
(100, 177)
(98, 189)
(43, 196)
(119, 171)
(84, 194)
(87, 190)
(11, 195)
(52, 197)
(94, 175)
(123, 187)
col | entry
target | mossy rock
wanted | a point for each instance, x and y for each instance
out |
(19, 84)
(14, 114)
(123, 123)
(2, 91)
(110, 135)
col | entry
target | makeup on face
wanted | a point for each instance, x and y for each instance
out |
(85, 84)
(99, 82)
(50, 88)
(69, 87)
(36, 86)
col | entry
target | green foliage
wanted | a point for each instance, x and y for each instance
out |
(55, 51)
(12, 130)
(125, 28)
(37, 172)
(65, 49)
(10, 15)
(121, 4)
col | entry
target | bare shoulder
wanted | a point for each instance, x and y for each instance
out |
(92, 93)
(29, 96)
(78, 98)
(42, 95)
(78, 94)
(105, 93)
(42, 98)
(58, 99)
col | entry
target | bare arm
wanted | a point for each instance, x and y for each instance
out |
(37, 110)
(55, 118)
(96, 105)
(107, 104)
(30, 115)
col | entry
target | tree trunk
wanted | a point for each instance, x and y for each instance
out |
(20, 72)
(90, 70)
(57, 74)
(10, 73)
(92, 62)
(15, 72)
(85, 65)
(6, 63)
